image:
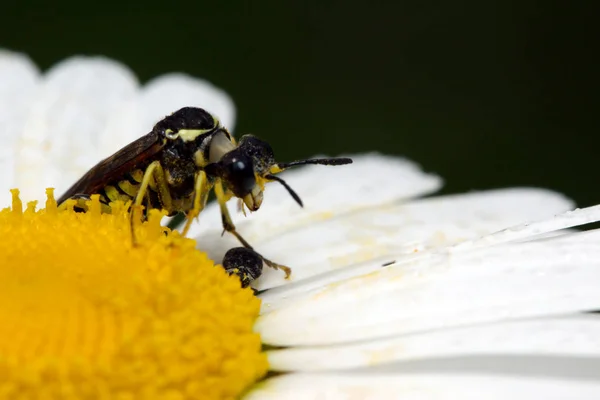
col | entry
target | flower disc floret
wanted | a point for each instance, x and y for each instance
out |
(87, 314)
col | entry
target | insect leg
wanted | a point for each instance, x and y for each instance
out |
(230, 227)
(201, 189)
(162, 187)
(156, 172)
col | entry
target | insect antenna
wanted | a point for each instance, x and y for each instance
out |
(287, 187)
(321, 161)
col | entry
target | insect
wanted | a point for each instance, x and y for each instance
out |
(175, 167)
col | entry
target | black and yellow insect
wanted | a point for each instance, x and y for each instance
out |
(177, 164)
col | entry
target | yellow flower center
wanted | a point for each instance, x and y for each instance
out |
(86, 314)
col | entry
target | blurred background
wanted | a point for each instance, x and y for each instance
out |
(486, 94)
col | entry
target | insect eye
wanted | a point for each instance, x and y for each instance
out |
(171, 135)
(239, 174)
(238, 166)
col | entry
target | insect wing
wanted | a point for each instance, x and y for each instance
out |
(115, 166)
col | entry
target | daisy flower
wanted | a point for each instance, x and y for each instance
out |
(393, 294)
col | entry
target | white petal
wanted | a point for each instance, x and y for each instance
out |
(442, 290)
(567, 336)
(476, 386)
(18, 79)
(327, 192)
(168, 93)
(364, 240)
(544, 227)
(70, 115)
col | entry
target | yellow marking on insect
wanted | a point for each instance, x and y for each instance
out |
(199, 158)
(275, 169)
(137, 175)
(260, 181)
(129, 188)
(169, 133)
(189, 135)
(114, 194)
(226, 195)
(152, 184)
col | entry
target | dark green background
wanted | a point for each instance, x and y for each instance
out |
(485, 93)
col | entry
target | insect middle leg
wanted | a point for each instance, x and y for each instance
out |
(230, 227)
(154, 174)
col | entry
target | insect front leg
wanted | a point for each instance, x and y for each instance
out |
(154, 173)
(230, 227)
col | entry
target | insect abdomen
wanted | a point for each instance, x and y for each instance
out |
(127, 189)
